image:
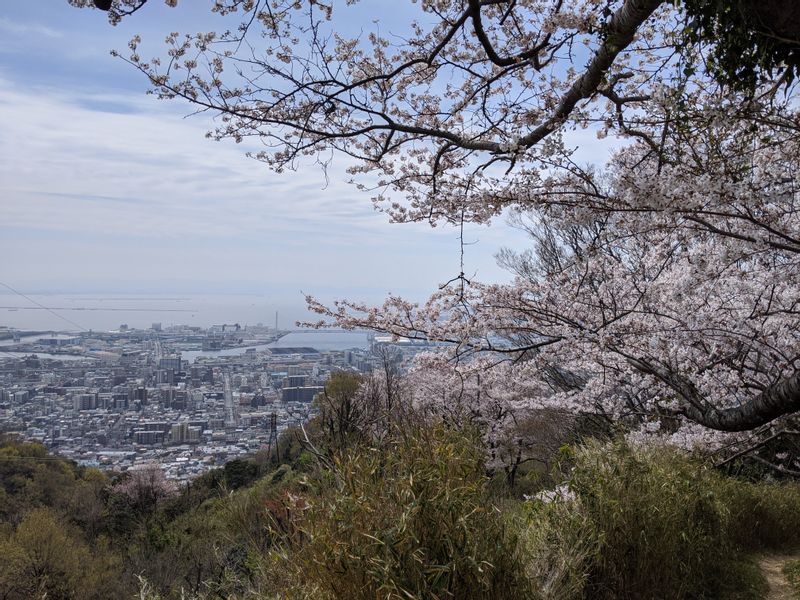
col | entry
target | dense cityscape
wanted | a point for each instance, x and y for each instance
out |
(130, 398)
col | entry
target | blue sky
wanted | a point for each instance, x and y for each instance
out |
(105, 189)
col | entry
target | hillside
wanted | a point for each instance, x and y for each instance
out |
(412, 515)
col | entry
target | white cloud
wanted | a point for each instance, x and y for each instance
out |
(9, 27)
(152, 170)
(126, 190)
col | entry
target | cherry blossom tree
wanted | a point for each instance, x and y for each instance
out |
(662, 290)
(145, 487)
(662, 286)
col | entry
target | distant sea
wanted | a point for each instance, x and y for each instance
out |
(104, 312)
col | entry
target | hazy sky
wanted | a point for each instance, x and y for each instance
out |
(105, 189)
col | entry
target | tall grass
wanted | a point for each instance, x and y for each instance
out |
(637, 523)
(764, 515)
(417, 519)
(412, 520)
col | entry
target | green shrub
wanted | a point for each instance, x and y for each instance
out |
(411, 520)
(633, 523)
(764, 515)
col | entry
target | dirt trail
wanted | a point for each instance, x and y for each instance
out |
(772, 566)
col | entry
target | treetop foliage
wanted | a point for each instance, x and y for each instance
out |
(753, 42)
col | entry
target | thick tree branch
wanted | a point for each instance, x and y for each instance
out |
(778, 400)
(620, 32)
